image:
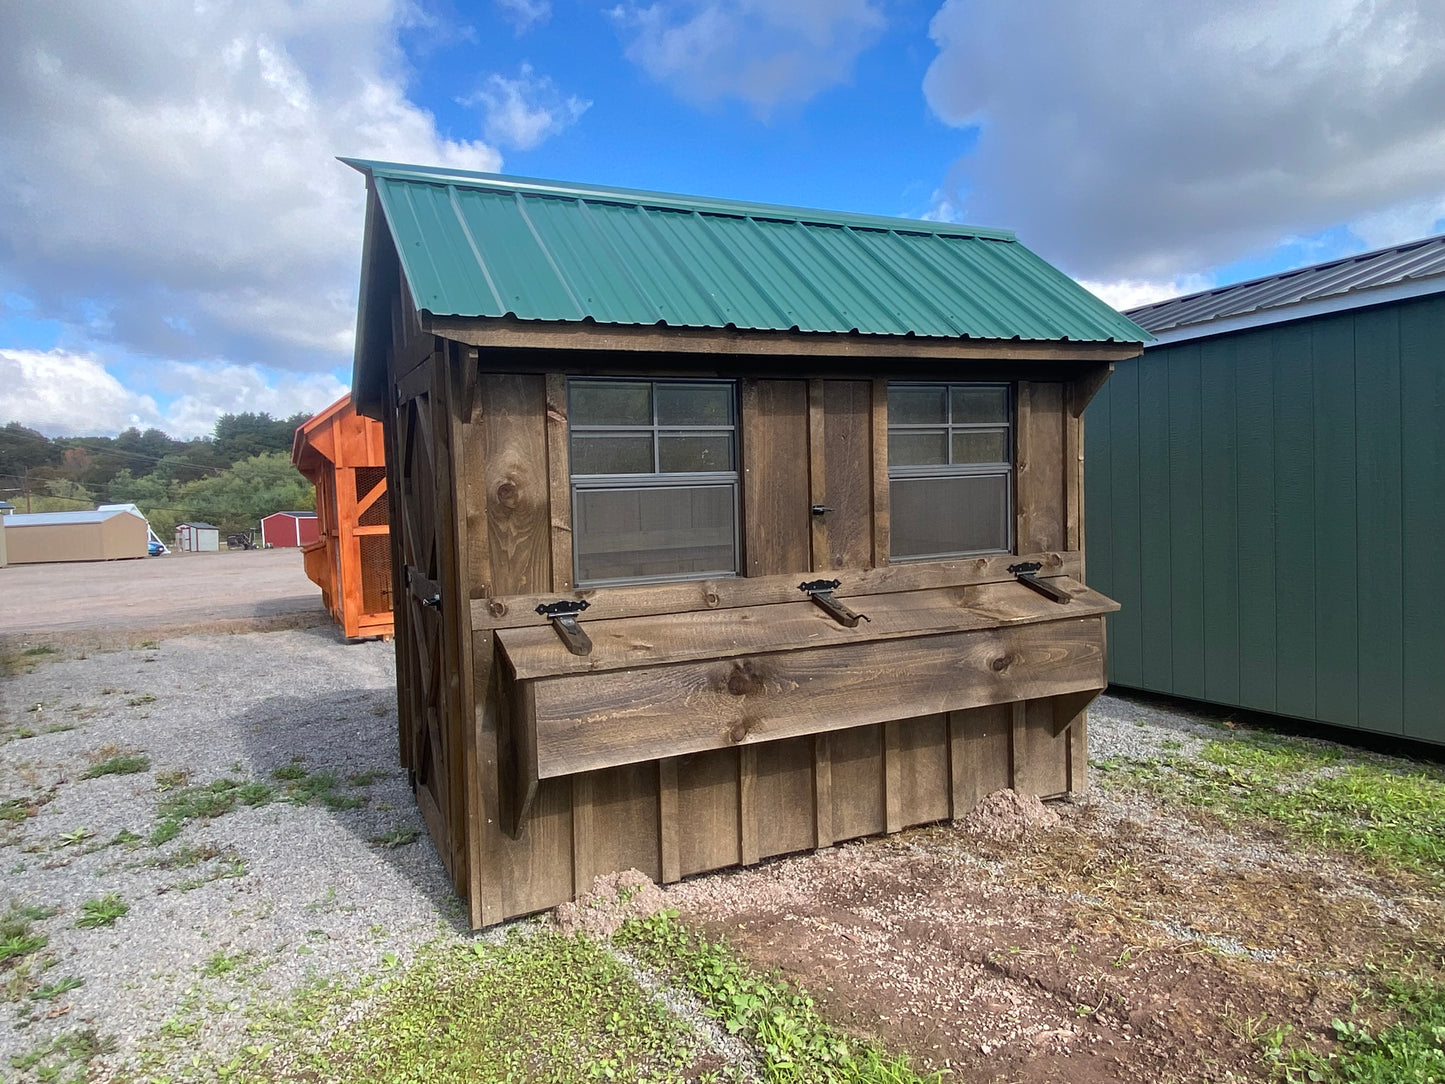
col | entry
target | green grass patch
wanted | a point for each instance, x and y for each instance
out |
(205, 802)
(398, 836)
(124, 764)
(324, 788)
(795, 1044)
(71, 1050)
(1410, 1049)
(1394, 816)
(40, 649)
(540, 1008)
(52, 990)
(102, 912)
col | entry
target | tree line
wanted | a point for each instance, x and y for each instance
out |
(232, 478)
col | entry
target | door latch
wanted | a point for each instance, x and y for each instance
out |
(1027, 573)
(821, 592)
(563, 616)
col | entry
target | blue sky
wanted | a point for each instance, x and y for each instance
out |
(177, 240)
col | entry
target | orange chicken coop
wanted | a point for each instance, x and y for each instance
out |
(343, 455)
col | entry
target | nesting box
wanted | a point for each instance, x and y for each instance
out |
(349, 553)
(721, 530)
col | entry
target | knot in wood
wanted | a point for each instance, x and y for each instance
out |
(1002, 663)
(507, 494)
(741, 729)
(711, 599)
(744, 679)
(497, 608)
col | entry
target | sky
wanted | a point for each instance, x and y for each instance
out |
(177, 239)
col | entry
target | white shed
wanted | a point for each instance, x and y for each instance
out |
(198, 537)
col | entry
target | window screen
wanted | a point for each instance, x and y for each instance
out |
(654, 479)
(950, 469)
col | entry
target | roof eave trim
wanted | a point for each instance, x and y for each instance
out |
(1280, 314)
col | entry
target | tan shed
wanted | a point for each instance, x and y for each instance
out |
(75, 536)
(721, 531)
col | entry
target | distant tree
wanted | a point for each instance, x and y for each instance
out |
(152, 495)
(240, 436)
(238, 498)
(59, 495)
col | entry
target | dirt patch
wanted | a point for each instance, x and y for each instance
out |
(1112, 945)
(615, 898)
(1005, 814)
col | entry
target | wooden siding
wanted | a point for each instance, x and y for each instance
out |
(1256, 501)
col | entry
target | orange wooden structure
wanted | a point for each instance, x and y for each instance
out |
(344, 457)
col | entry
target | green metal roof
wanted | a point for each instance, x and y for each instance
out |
(484, 245)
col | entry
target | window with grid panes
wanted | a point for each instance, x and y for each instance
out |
(950, 469)
(654, 479)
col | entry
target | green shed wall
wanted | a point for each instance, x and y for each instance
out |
(1268, 506)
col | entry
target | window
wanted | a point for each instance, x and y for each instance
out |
(654, 479)
(950, 469)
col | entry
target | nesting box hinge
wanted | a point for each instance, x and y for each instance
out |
(563, 616)
(1027, 573)
(821, 592)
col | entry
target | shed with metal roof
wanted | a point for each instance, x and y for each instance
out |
(1263, 480)
(720, 530)
(44, 537)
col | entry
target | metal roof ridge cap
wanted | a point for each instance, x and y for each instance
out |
(673, 200)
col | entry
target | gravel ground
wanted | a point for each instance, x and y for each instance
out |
(285, 893)
(289, 892)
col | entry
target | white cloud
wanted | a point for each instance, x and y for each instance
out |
(1138, 139)
(524, 111)
(167, 182)
(1124, 294)
(526, 14)
(767, 53)
(65, 393)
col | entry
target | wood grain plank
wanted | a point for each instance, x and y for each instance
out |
(748, 852)
(537, 867)
(922, 778)
(776, 531)
(892, 779)
(1041, 472)
(822, 791)
(980, 741)
(644, 600)
(857, 778)
(817, 476)
(1040, 753)
(637, 642)
(784, 795)
(559, 482)
(668, 828)
(517, 487)
(626, 831)
(848, 471)
(586, 721)
(707, 787)
(584, 834)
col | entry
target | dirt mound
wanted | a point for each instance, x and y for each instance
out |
(1006, 815)
(615, 897)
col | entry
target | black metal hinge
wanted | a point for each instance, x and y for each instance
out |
(821, 592)
(563, 616)
(1027, 573)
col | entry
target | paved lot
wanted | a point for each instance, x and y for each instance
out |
(218, 592)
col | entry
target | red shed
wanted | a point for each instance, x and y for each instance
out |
(289, 529)
(344, 457)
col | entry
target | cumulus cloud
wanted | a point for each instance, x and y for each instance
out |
(68, 393)
(526, 14)
(1135, 140)
(167, 181)
(766, 53)
(521, 112)
(1125, 294)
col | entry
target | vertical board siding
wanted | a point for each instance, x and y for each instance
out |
(1185, 538)
(777, 534)
(1264, 492)
(1155, 574)
(1337, 641)
(1422, 427)
(1219, 483)
(1381, 553)
(1294, 536)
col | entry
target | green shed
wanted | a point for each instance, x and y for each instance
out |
(1265, 485)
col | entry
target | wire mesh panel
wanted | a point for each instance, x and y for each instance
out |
(375, 573)
(367, 479)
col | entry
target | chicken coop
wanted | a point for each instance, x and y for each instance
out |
(344, 456)
(721, 530)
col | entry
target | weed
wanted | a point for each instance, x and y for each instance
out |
(1410, 1050)
(123, 764)
(321, 787)
(399, 836)
(78, 835)
(102, 912)
(287, 772)
(139, 701)
(363, 779)
(204, 803)
(51, 990)
(172, 780)
(148, 645)
(795, 1043)
(72, 1048)
(221, 964)
(15, 810)
(40, 649)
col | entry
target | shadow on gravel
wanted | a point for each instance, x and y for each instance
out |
(338, 751)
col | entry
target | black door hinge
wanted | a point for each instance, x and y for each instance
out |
(821, 592)
(563, 616)
(1027, 573)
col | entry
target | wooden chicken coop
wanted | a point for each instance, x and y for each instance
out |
(721, 530)
(344, 456)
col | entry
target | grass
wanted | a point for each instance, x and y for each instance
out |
(1409, 1049)
(398, 836)
(541, 1008)
(1390, 815)
(102, 912)
(121, 764)
(40, 649)
(18, 938)
(795, 1044)
(71, 1050)
(205, 802)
